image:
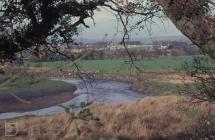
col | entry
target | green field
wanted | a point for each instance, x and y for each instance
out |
(151, 64)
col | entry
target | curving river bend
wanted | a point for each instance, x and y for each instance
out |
(103, 91)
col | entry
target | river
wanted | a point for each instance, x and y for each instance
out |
(103, 91)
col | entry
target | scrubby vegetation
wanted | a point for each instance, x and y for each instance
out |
(202, 69)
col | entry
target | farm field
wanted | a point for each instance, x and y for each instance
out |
(149, 64)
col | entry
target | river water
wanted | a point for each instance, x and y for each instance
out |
(103, 91)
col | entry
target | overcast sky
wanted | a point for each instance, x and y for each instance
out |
(105, 23)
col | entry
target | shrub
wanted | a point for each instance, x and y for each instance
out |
(202, 70)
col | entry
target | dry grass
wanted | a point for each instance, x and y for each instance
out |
(161, 83)
(169, 77)
(151, 118)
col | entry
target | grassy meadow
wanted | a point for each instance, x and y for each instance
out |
(145, 84)
(148, 64)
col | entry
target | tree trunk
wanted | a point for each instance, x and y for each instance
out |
(191, 17)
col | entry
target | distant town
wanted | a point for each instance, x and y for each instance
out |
(115, 50)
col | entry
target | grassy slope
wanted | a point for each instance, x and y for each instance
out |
(29, 83)
(24, 92)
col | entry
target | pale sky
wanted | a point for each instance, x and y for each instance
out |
(105, 23)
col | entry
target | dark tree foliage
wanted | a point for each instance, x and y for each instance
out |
(26, 23)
